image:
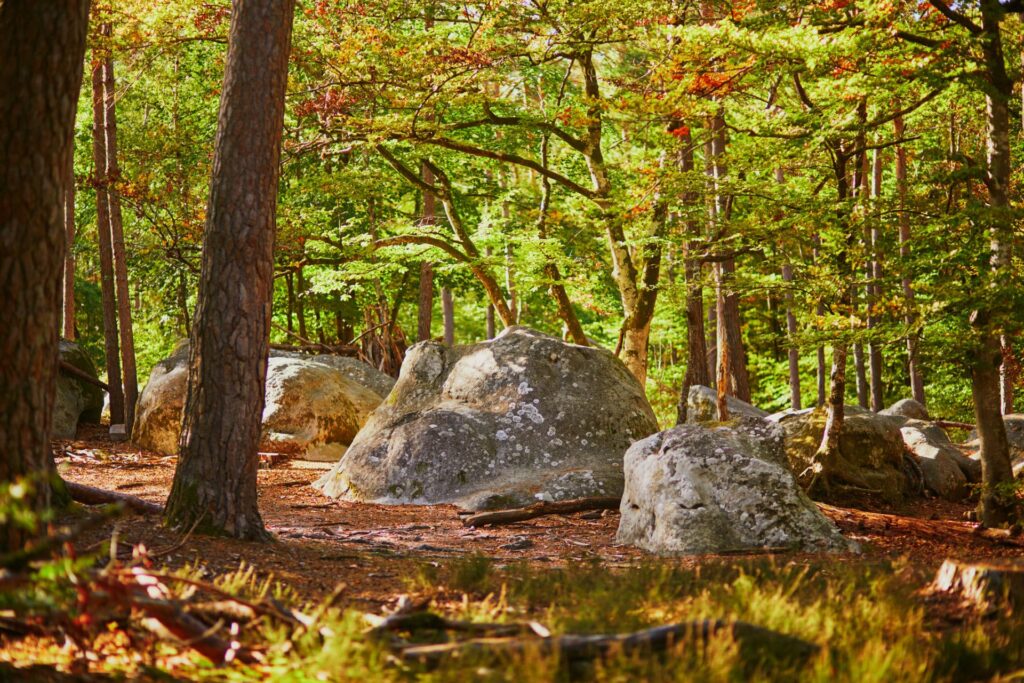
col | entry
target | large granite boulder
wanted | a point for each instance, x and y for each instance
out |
(702, 406)
(356, 370)
(509, 421)
(871, 449)
(76, 400)
(944, 468)
(1014, 424)
(312, 410)
(908, 408)
(699, 489)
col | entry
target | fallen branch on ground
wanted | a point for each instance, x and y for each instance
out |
(560, 507)
(941, 530)
(577, 648)
(78, 373)
(20, 558)
(951, 424)
(90, 495)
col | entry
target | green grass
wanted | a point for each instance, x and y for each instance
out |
(873, 622)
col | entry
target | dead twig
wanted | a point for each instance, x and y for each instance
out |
(561, 507)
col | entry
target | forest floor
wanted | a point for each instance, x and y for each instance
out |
(873, 614)
(374, 549)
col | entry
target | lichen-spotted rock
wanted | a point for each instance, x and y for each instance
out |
(76, 400)
(520, 418)
(312, 410)
(696, 489)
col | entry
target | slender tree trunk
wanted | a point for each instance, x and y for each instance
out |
(113, 177)
(916, 375)
(69, 258)
(862, 375)
(874, 289)
(426, 306)
(794, 352)
(819, 310)
(859, 187)
(448, 314)
(696, 345)
(1006, 377)
(42, 48)
(562, 302)
(300, 301)
(290, 284)
(729, 335)
(108, 295)
(995, 508)
(215, 481)
(186, 321)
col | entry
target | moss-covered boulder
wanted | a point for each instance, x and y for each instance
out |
(871, 450)
(77, 400)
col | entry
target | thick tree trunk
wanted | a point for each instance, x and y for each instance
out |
(215, 482)
(916, 375)
(113, 177)
(111, 345)
(448, 314)
(42, 48)
(69, 257)
(696, 344)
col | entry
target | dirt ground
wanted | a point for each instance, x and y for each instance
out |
(370, 548)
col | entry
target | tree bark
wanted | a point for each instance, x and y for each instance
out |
(113, 177)
(215, 481)
(300, 301)
(42, 48)
(448, 314)
(729, 335)
(69, 257)
(862, 375)
(426, 305)
(696, 345)
(111, 342)
(906, 283)
(995, 507)
(794, 352)
(874, 289)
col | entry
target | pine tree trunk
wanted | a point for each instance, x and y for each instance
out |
(489, 321)
(448, 314)
(215, 481)
(111, 342)
(794, 353)
(300, 301)
(696, 344)
(426, 300)
(290, 284)
(729, 336)
(69, 257)
(42, 48)
(113, 177)
(916, 375)
(875, 289)
(862, 375)
(1006, 376)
